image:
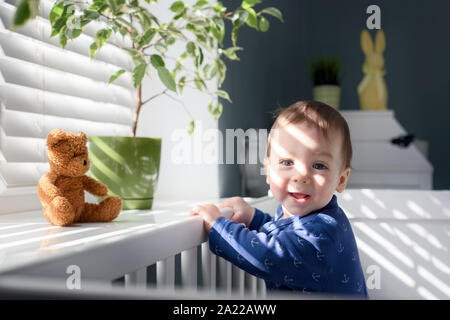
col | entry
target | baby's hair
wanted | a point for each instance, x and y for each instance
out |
(320, 115)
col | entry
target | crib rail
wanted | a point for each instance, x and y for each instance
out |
(402, 237)
(164, 248)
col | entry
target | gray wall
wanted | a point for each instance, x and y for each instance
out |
(272, 68)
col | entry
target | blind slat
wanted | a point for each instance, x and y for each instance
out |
(18, 149)
(38, 52)
(24, 124)
(20, 98)
(36, 76)
(40, 29)
(22, 174)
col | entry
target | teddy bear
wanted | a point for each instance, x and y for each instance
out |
(61, 189)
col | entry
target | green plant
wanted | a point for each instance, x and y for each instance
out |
(201, 26)
(325, 70)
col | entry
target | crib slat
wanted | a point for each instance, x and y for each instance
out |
(241, 283)
(206, 265)
(253, 285)
(262, 288)
(213, 282)
(229, 268)
(189, 268)
(137, 278)
(238, 276)
(222, 274)
(165, 273)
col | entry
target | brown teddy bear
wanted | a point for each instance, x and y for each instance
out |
(61, 190)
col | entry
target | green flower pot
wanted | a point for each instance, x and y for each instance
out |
(128, 166)
(329, 94)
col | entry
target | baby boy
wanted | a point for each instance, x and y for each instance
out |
(309, 245)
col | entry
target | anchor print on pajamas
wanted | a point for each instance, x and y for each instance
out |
(316, 253)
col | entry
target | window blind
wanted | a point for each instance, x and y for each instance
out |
(43, 87)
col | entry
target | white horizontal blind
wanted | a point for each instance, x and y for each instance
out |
(43, 87)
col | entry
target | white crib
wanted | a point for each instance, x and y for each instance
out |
(402, 237)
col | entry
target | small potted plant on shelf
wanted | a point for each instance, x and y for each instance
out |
(129, 166)
(324, 73)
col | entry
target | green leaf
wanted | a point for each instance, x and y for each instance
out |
(180, 14)
(217, 111)
(222, 70)
(214, 71)
(210, 106)
(199, 58)
(91, 15)
(199, 83)
(63, 38)
(138, 74)
(181, 83)
(190, 48)
(200, 3)
(73, 33)
(177, 6)
(157, 61)
(147, 37)
(249, 3)
(234, 35)
(230, 53)
(92, 49)
(115, 5)
(263, 24)
(56, 11)
(273, 12)
(58, 25)
(239, 18)
(218, 29)
(27, 9)
(101, 37)
(219, 7)
(116, 75)
(97, 5)
(223, 94)
(252, 20)
(166, 78)
(191, 127)
(206, 68)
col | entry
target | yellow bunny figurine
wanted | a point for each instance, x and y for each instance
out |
(372, 89)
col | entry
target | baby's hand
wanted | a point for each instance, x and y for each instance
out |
(242, 211)
(208, 212)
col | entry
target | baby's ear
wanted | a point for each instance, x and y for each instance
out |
(366, 42)
(343, 179)
(55, 137)
(380, 41)
(266, 169)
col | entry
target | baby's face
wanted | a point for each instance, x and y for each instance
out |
(305, 168)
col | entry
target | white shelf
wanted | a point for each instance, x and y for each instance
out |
(377, 163)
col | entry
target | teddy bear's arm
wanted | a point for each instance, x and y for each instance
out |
(94, 187)
(46, 188)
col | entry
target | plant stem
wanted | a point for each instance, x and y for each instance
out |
(138, 109)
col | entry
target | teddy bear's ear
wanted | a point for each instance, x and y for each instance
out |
(55, 136)
(83, 137)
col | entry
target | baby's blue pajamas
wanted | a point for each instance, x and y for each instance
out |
(315, 253)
